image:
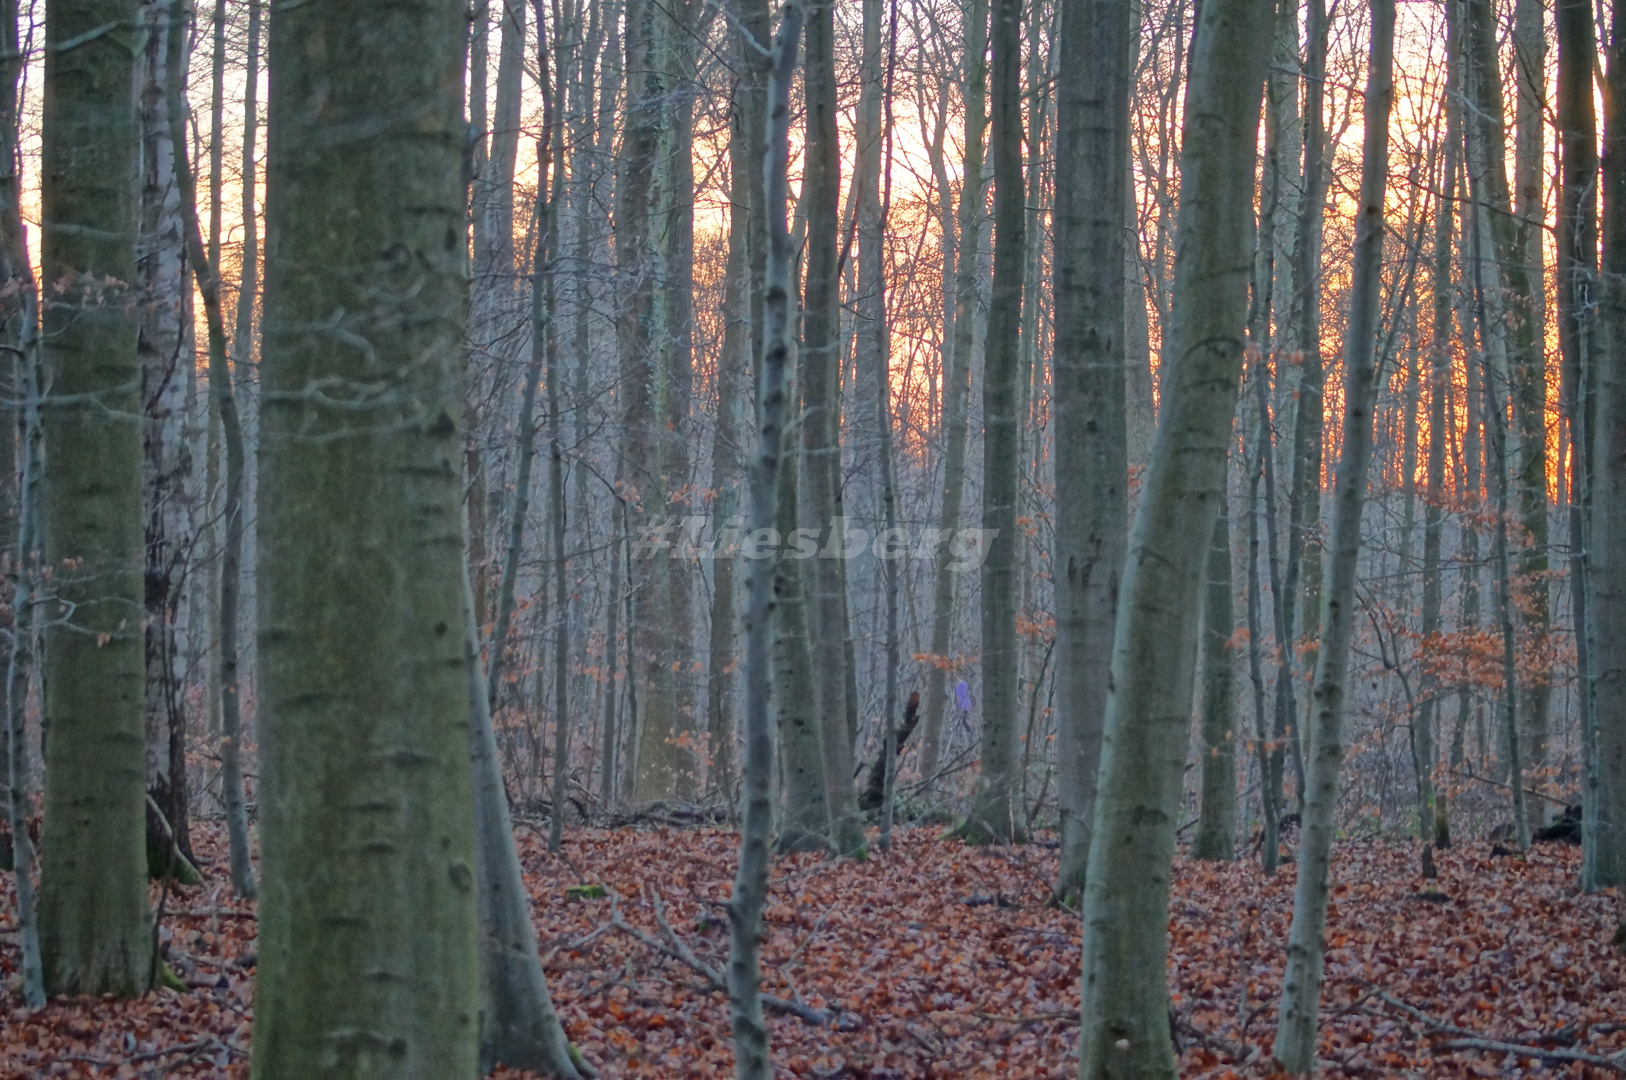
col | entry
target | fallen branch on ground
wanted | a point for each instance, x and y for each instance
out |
(673, 947)
(1465, 1039)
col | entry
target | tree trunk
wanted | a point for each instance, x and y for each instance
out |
(494, 183)
(1301, 985)
(518, 1026)
(821, 426)
(891, 748)
(1497, 349)
(635, 315)
(1270, 808)
(993, 817)
(16, 283)
(957, 392)
(750, 893)
(545, 326)
(242, 360)
(1577, 337)
(1091, 401)
(1302, 574)
(1607, 867)
(22, 310)
(608, 735)
(223, 400)
(365, 676)
(25, 595)
(805, 823)
(95, 935)
(1125, 1028)
(748, 240)
(1216, 825)
(668, 763)
(1434, 825)
(1529, 384)
(164, 343)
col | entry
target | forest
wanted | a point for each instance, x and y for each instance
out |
(882, 539)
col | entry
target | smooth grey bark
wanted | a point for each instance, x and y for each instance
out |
(820, 377)
(242, 361)
(1577, 249)
(545, 325)
(889, 494)
(492, 296)
(95, 934)
(494, 181)
(1270, 808)
(586, 165)
(223, 402)
(736, 362)
(369, 928)
(750, 893)
(1495, 361)
(518, 1026)
(164, 344)
(16, 284)
(1608, 456)
(671, 740)
(868, 395)
(248, 285)
(26, 591)
(957, 391)
(1216, 824)
(521, 499)
(1281, 609)
(1433, 824)
(609, 737)
(1125, 1024)
(993, 817)
(654, 370)
(1607, 861)
(805, 823)
(1301, 578)
(1091, 400)
(1301, 984)
(1528, 375)
(1472, 449)
(1287, 127)
(744, 344)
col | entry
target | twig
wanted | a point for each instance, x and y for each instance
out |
(1428, 1021)
(1472, 1040)
(148, 1055)
(1036, 1018)
(931, 1047)
(684, 955)
(1612, 1063)
(1214, 1042)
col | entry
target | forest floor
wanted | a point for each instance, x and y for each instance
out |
(939, 960)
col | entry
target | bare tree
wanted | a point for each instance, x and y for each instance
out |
(957, 386)
(992, 817)
(819, 375)
(94, 927)
(223, 403)
(1125, 1026)
(1092, 464)
(750, 894)
(364, 673)
(1301, 985)
(1216, 824)
(1578, 340)
(1607, 575)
